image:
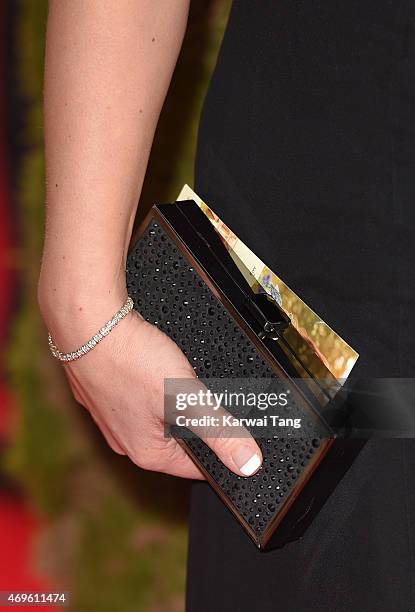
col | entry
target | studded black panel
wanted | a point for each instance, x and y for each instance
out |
(169, 293)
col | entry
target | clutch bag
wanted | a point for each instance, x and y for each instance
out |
(183, 279)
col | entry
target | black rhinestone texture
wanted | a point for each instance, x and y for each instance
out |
(169, 293)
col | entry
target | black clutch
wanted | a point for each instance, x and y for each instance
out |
(183, 279)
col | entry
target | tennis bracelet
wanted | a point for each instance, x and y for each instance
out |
(100, 335)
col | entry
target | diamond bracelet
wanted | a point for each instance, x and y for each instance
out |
(100, 335)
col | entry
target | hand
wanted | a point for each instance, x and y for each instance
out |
(121, 383)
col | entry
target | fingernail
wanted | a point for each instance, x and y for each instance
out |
(247, 461)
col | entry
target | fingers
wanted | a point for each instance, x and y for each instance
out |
(169, 458)
(232, 444)
(181, 466)
(189, 471)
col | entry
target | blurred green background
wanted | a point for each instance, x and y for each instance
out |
(113, 535)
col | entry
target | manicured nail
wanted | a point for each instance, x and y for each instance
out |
(247, 461)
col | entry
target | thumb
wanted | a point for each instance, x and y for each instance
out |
(241, 455)
(233, 444)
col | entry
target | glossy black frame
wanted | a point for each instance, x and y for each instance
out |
(199, 243)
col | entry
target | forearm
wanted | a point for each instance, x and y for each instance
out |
(108, 66)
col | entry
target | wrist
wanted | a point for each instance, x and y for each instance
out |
(87, 273)
(73, 311)
(99, 335)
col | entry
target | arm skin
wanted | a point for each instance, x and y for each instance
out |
(107, 71)
(108, 67)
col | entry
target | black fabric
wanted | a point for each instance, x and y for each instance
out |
(306, 149)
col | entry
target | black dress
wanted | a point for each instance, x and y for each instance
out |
(307, 151)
